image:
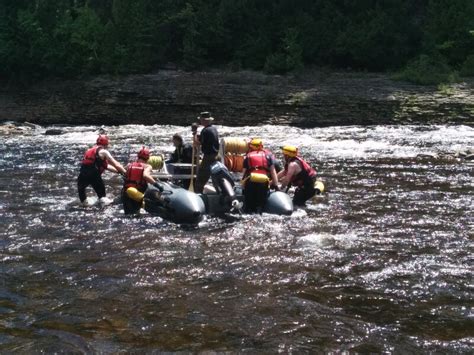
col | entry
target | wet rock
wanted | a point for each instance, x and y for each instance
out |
(469, 157)
(31, 125)
(10, 128)
(53, 132)
(461, 153)
(428, 156)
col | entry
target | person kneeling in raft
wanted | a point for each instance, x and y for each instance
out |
(299, 173)
(95, 161)
(137, 177)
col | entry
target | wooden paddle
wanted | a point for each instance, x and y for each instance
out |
(191, 183)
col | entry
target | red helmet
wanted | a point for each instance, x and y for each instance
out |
(102, 139)
(144, 153)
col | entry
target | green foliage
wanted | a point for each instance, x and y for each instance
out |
(467, 68)
(69, 38)
(447, 29)
(289, 57)
(427, 70)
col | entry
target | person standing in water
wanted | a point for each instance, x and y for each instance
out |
(258, 175)
(95, 161)
(137, 176)
(299, 173)
(208, 140)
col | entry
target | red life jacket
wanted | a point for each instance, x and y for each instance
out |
(92, 158)
(134, 176)
(305, 176)
(257, 163)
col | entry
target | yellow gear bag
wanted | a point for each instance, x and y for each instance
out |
(318, 185)
(156, 162)
(134, 194)
(260, 178)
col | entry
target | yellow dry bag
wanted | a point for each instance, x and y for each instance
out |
(156, 162)
(319, 186)
(260, 178)
(134, 194)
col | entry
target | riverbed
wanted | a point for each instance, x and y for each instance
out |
(381, 262)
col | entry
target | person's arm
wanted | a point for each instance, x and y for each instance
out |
(273, 174)
(245, 165)
(104, 154)
(112, 169)
(197, 139)
(147, 175)
(274, 177)
(292, 170)
(205, 137)
(281, 174)
(244, 172)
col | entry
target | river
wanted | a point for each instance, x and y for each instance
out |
(380, 263)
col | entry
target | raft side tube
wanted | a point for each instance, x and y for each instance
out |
(279, 203)
(174, 204)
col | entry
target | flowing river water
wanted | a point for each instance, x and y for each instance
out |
(380, 263)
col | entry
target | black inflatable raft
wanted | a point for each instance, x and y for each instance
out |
(174, 203)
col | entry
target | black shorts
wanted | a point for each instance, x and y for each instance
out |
(90, 176)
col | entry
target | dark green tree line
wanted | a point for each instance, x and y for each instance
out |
(70, 38)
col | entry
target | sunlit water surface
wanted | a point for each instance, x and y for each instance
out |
(381, 263)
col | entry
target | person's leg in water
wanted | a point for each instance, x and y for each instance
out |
(82, 183)
(204, 172)
(130, 206)
(86, 177)
(98, 186)
(303, 194)
(255, 196)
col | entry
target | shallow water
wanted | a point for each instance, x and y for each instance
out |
(381, 263)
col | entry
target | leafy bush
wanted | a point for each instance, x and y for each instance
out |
(427, 70)
(276, 64)
(290, 56)
(467, 69)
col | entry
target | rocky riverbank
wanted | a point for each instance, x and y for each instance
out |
(243, 98)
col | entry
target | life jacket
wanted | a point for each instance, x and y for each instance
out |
(305, 177)
(92, 159)
(134, 176)
(257, 162)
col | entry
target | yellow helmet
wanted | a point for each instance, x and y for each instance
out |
(256, 144)
(289, 150)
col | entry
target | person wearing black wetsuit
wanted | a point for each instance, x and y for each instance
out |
(183, 153)
(209, 142)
